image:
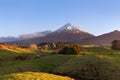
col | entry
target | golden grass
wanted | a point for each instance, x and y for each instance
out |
(16, 49)
(34, 76)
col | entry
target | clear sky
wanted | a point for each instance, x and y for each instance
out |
(27, 16)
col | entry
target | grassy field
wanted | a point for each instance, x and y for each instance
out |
(98, 63)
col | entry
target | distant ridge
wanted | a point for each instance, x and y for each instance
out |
(24, 36)
(9, 39)
(103, 39)
(34, 35)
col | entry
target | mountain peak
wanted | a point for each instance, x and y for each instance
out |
(69, 26)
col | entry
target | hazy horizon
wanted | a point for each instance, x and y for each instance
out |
(29, 16)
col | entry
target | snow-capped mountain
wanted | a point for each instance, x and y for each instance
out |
(70, 28)
(67, 33)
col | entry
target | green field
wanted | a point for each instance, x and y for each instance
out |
(97, 63)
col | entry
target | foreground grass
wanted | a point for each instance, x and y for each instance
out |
(45, 64)
(87, 67)
(90, 67)
(33, 76)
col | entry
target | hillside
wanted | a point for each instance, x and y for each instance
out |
(102, 39)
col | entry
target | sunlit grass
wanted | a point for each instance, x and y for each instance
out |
(33, 76)
(16, 49)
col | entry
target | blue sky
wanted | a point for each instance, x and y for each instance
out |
(28, 16)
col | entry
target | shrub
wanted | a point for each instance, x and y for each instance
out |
(70, 50)
(23, 57)
(116, 45)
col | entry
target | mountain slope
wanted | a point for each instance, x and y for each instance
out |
(103, 39)
(34, 35)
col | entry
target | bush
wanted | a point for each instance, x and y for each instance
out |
(70, 50)
(116, 45)
(23, 57)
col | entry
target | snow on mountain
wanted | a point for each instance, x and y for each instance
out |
(70, 27)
